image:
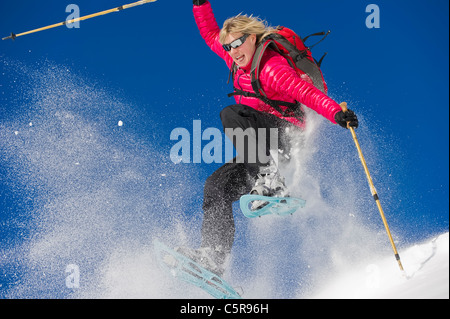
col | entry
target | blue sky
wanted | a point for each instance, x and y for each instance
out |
(395, 77)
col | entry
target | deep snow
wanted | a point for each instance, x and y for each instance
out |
(426, 275)
(90, 188)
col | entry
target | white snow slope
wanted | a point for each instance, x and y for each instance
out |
(426, 276)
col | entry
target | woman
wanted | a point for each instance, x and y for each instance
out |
(257, 125)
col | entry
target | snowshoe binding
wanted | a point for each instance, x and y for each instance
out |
(269, 196)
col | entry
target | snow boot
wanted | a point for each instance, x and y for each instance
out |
(269, 183)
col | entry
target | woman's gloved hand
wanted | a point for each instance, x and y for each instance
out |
(349, 117)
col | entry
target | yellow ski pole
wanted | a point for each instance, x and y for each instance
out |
(126, 6)
(373, 190)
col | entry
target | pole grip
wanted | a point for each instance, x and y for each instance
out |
(345, 109)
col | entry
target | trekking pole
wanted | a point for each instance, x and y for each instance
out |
(373, 190)
(126, 6)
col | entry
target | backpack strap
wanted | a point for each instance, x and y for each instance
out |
(293, 109)
(323, 33)
(233, 70)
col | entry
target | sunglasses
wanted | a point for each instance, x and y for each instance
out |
(236, 43)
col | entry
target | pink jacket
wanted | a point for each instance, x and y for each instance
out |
(278, 79)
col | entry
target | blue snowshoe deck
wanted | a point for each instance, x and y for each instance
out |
(273, 205)
(189, 271)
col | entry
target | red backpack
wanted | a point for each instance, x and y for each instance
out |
(299, 56)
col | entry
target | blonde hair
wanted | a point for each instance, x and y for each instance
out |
(246, 25)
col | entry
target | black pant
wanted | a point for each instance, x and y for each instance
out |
(236, 178)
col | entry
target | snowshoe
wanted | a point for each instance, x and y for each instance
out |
(268, 205)
(186, 269)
